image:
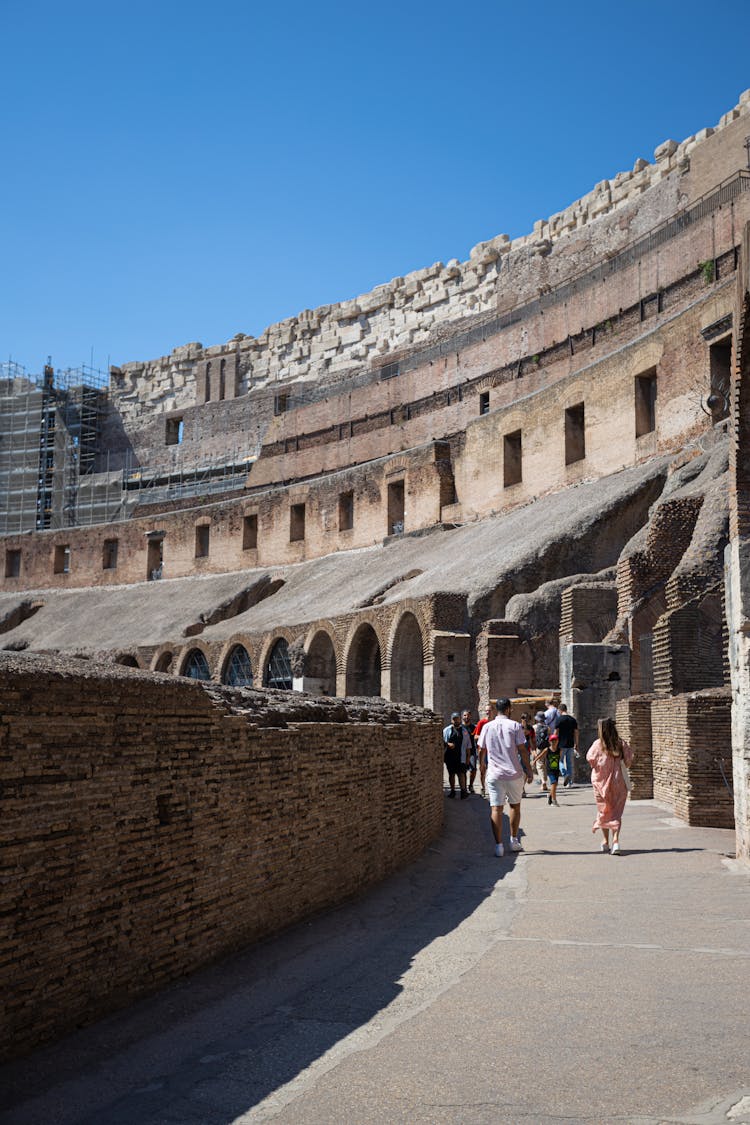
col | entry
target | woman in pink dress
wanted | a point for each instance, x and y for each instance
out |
(606, 757)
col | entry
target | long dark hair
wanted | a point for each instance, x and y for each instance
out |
(609, 738)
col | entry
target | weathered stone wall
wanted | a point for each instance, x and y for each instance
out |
(593, 678)
(149, 826)
(691, 746)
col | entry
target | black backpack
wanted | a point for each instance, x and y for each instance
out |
(542, 737)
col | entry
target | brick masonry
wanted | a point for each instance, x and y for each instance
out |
(634, 724)
(150, 825)
(691, 740)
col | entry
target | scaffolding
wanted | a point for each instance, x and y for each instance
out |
(49, 443)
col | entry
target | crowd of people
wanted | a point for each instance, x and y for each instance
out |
(505, 753)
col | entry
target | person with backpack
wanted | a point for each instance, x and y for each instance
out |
(541, 741)
(551, 755)
(567, 733)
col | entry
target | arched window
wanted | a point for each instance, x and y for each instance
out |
(238, 671)
(222, 379)
(279, 668)
(208, 382)
(164, 663)
(196, 666)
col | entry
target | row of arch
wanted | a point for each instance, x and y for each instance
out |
(361, 663)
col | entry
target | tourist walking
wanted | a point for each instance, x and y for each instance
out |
(469, 728)
(502, 743)
(541, 739)
(528, 730)
(550, 754)
(551, 716)
(456, 744)
(606, 758)
(567, 735)
(489, 714)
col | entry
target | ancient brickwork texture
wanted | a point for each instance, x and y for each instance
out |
(692, 756)
(148, 829)
(689, 647)
(587, 613)
(634, 725)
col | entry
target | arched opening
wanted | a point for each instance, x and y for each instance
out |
(127, 661)
(238, 671)
(320, 665)
(164, 663)
(196, 666)
(279, 667)
(407, 663)
(363, 663)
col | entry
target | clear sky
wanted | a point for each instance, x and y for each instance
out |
(176, 171)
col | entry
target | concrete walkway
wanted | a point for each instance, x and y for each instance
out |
(556, 985)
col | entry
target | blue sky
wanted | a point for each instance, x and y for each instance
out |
(185, 171)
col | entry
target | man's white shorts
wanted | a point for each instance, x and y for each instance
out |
(501, 787)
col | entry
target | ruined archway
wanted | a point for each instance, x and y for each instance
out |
(237, 670)
(407, 662)
(164, 662)
(363, 662)
(195, 665)
(278, 672)
(320, 665)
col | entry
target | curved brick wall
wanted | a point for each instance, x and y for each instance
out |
(150, 825)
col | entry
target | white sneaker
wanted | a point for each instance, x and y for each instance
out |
(515, 844)
(615, 849)
(499, 850)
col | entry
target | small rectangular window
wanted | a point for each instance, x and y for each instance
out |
(250, 532)
(575, 434)
(12, 563)
(174, 431)
(512, 458)
(346, 511)
(720, 355)
(484, 402)
(396, 508)
(202, 540)
(62, 559)
(390, 371)
(296, 523)
(281, 403)
(645, 403)
(109, 554)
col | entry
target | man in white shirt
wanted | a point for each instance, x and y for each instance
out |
(502, 745)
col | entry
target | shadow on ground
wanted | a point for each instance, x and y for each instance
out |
(211, 1047)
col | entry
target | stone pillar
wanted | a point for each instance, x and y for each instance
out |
(450, 674)
(738, 553)
(593, 679)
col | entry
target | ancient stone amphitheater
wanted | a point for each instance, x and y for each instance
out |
(519, 474)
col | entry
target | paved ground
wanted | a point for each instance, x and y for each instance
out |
(560, 985)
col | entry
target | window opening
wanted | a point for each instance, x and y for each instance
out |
(390, 371)
(484, 402)
(62, 559)
(575, 436)
(208, 382)
(346, 511)
(250, 532)
(396, 508)
(222, 379)
(512, 458)
(281, 403)
(721, 370)
(296, 523)
(202, 540)
(196, 666)
(155, 559)
(12, 563)
(174, 431)
(645, 403)
(238, 671)
(109, 554)
(279, 668)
